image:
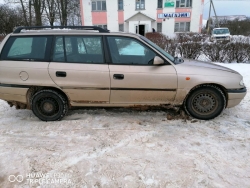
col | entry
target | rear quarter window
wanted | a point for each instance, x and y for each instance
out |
(30, 48)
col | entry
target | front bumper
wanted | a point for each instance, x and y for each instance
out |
(235, 96)
(220, 38)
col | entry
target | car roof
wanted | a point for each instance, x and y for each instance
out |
(220, 28)
(66, 30)
(69, 32)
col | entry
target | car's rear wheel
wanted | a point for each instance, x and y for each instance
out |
(205, 102)
(49, 105)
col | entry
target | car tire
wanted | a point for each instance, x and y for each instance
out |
(49, 105)
(205, 102)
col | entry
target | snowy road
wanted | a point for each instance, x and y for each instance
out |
(122, 148)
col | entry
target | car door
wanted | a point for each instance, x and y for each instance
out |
(78, 67)
(134, 78)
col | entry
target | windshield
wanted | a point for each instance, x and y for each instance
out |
(220, 31)
(158, 48)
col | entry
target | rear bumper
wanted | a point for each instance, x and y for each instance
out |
(235, 96)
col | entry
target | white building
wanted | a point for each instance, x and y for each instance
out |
(166, 16)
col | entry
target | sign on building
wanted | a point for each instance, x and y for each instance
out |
(174, 15)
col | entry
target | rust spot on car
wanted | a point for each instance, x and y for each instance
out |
(154, 107)
(90, 102)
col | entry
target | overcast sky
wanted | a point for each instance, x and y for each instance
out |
(228, 7)
(223, 7)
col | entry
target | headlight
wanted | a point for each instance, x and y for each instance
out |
(242, 82)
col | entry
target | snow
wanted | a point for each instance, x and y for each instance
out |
(124, 148)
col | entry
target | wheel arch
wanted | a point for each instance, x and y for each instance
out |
(223, 89)
(206, 115)
(32, 90)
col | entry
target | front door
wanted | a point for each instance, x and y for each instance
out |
(78, 68)
(142, 30)
(134, 78)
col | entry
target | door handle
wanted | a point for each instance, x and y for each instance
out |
(118, 76)
(61, 74)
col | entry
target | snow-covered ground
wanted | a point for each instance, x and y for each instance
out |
(123, 148)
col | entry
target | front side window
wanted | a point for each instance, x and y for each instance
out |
(139, 4)
(129, 51)
(182, 27)
(120, 4)
(170, 57)
(31, 48)
(183, 3)
(159, 4)
(98, 5)
(78, 49)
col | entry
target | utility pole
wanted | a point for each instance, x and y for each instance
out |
(215, 14)
(209, 19)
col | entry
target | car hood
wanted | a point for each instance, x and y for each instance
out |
(196, 63)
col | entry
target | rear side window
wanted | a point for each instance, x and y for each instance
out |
(78, 49)
(31, 48)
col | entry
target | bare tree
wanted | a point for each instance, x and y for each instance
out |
(51, 11)
(26, 9)
(38, 6)
(35, 12)
(69, 12)
(74, 14)
(62, 6)
(10, 18)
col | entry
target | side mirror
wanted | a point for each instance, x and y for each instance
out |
(178, 60)
(158, 61)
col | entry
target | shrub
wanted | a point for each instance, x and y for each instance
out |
(215, 51)
(163, 41)
(192, 45)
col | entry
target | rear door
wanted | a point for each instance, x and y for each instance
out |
(78, 67)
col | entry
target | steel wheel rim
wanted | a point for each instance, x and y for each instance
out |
(48, 106)
(204, 103)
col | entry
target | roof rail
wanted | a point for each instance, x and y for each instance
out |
(101, 30)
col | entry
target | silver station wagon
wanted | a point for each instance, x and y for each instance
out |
(52, 69)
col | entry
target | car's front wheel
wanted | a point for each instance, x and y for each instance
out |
(205, 102)
(49, 105)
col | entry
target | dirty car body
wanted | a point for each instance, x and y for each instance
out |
(50, 71)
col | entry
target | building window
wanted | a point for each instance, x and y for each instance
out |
(159, 27)
(120, 4)
(159, 5)
(139, 4)
(182, 27)
(183, 3)
(98, 5)
(121, 27)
